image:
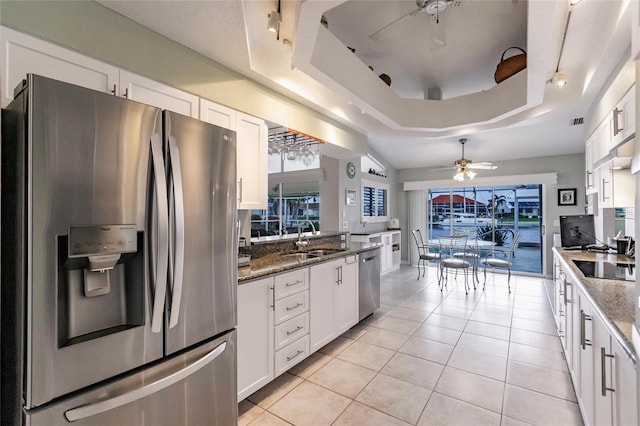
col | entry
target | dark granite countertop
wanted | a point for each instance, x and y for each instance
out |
(274, 263)
(612, 299)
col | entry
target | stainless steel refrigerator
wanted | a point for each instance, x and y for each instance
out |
(118, 262)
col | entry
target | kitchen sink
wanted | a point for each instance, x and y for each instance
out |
(324, 252)
(304, 255)
(298, 255)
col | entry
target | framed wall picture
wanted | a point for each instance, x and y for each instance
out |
(567, 197)
(351, 197)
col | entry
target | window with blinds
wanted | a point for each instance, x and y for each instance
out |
(375, 201)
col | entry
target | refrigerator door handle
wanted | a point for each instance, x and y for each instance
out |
(163, 234)
(89, 410)
(178, 260)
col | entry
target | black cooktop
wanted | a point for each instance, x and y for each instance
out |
(607, 270)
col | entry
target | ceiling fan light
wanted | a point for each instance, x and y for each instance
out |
(459, 176)
(471, 174)
(274, 21)
(559, 79)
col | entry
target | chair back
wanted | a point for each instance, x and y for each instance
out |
(452, 244)
(417, 237)
(514, 245)
(472, 238)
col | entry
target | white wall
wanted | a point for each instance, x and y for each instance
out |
(351, 214)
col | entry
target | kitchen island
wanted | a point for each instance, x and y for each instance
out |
(594, 317)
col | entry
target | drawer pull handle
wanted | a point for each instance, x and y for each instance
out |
(291, 308)
(603, 366)
(296, 283)
(289, 358)
(584, 342)
(298, 328)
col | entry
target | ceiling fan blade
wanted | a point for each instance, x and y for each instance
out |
(482, 166)
(444, 168)
(376, 36)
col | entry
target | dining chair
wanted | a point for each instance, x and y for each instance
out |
(425, 253)
(471, 251)
(493, 261)
(450, 245)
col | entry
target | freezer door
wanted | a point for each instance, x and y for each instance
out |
(201, 300)
(87, 163)
(194, 388)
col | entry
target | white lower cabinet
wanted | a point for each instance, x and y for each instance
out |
(255, 336)
(603, 374)
(333, 300)
(625, 397)
(273, 328)
(615, 393)
(390, 254)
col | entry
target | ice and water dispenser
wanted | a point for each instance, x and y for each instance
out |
(100, 282)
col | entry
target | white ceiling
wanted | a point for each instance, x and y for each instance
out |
(404, 50)
(233, 33)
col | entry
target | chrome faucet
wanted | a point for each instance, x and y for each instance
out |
(301, 243)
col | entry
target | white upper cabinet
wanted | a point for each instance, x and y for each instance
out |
(217, 114)
(150, 92)
(590, 181)
(623, 120)
(252, 145)
(252, 136)
(23, 54)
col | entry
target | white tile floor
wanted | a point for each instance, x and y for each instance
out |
(432, 358)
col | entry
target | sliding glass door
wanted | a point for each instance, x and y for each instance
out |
(492, 214)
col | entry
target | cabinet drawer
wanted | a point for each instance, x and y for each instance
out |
(291, 283)
(291, 306)
(292, 354)
(291, 330)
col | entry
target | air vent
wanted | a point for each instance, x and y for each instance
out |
(576, 121)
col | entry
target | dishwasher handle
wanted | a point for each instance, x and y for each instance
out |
(369, 259)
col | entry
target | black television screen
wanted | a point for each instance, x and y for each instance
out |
(577, 231)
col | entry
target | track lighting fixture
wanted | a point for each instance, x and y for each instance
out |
(559, 79)
(275, 18)
(274, 21)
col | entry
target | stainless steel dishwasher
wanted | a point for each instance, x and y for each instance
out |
(369, 282)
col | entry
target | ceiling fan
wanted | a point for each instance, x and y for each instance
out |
(434, 8)
(464, 167)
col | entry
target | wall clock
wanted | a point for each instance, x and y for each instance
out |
(351, 169)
